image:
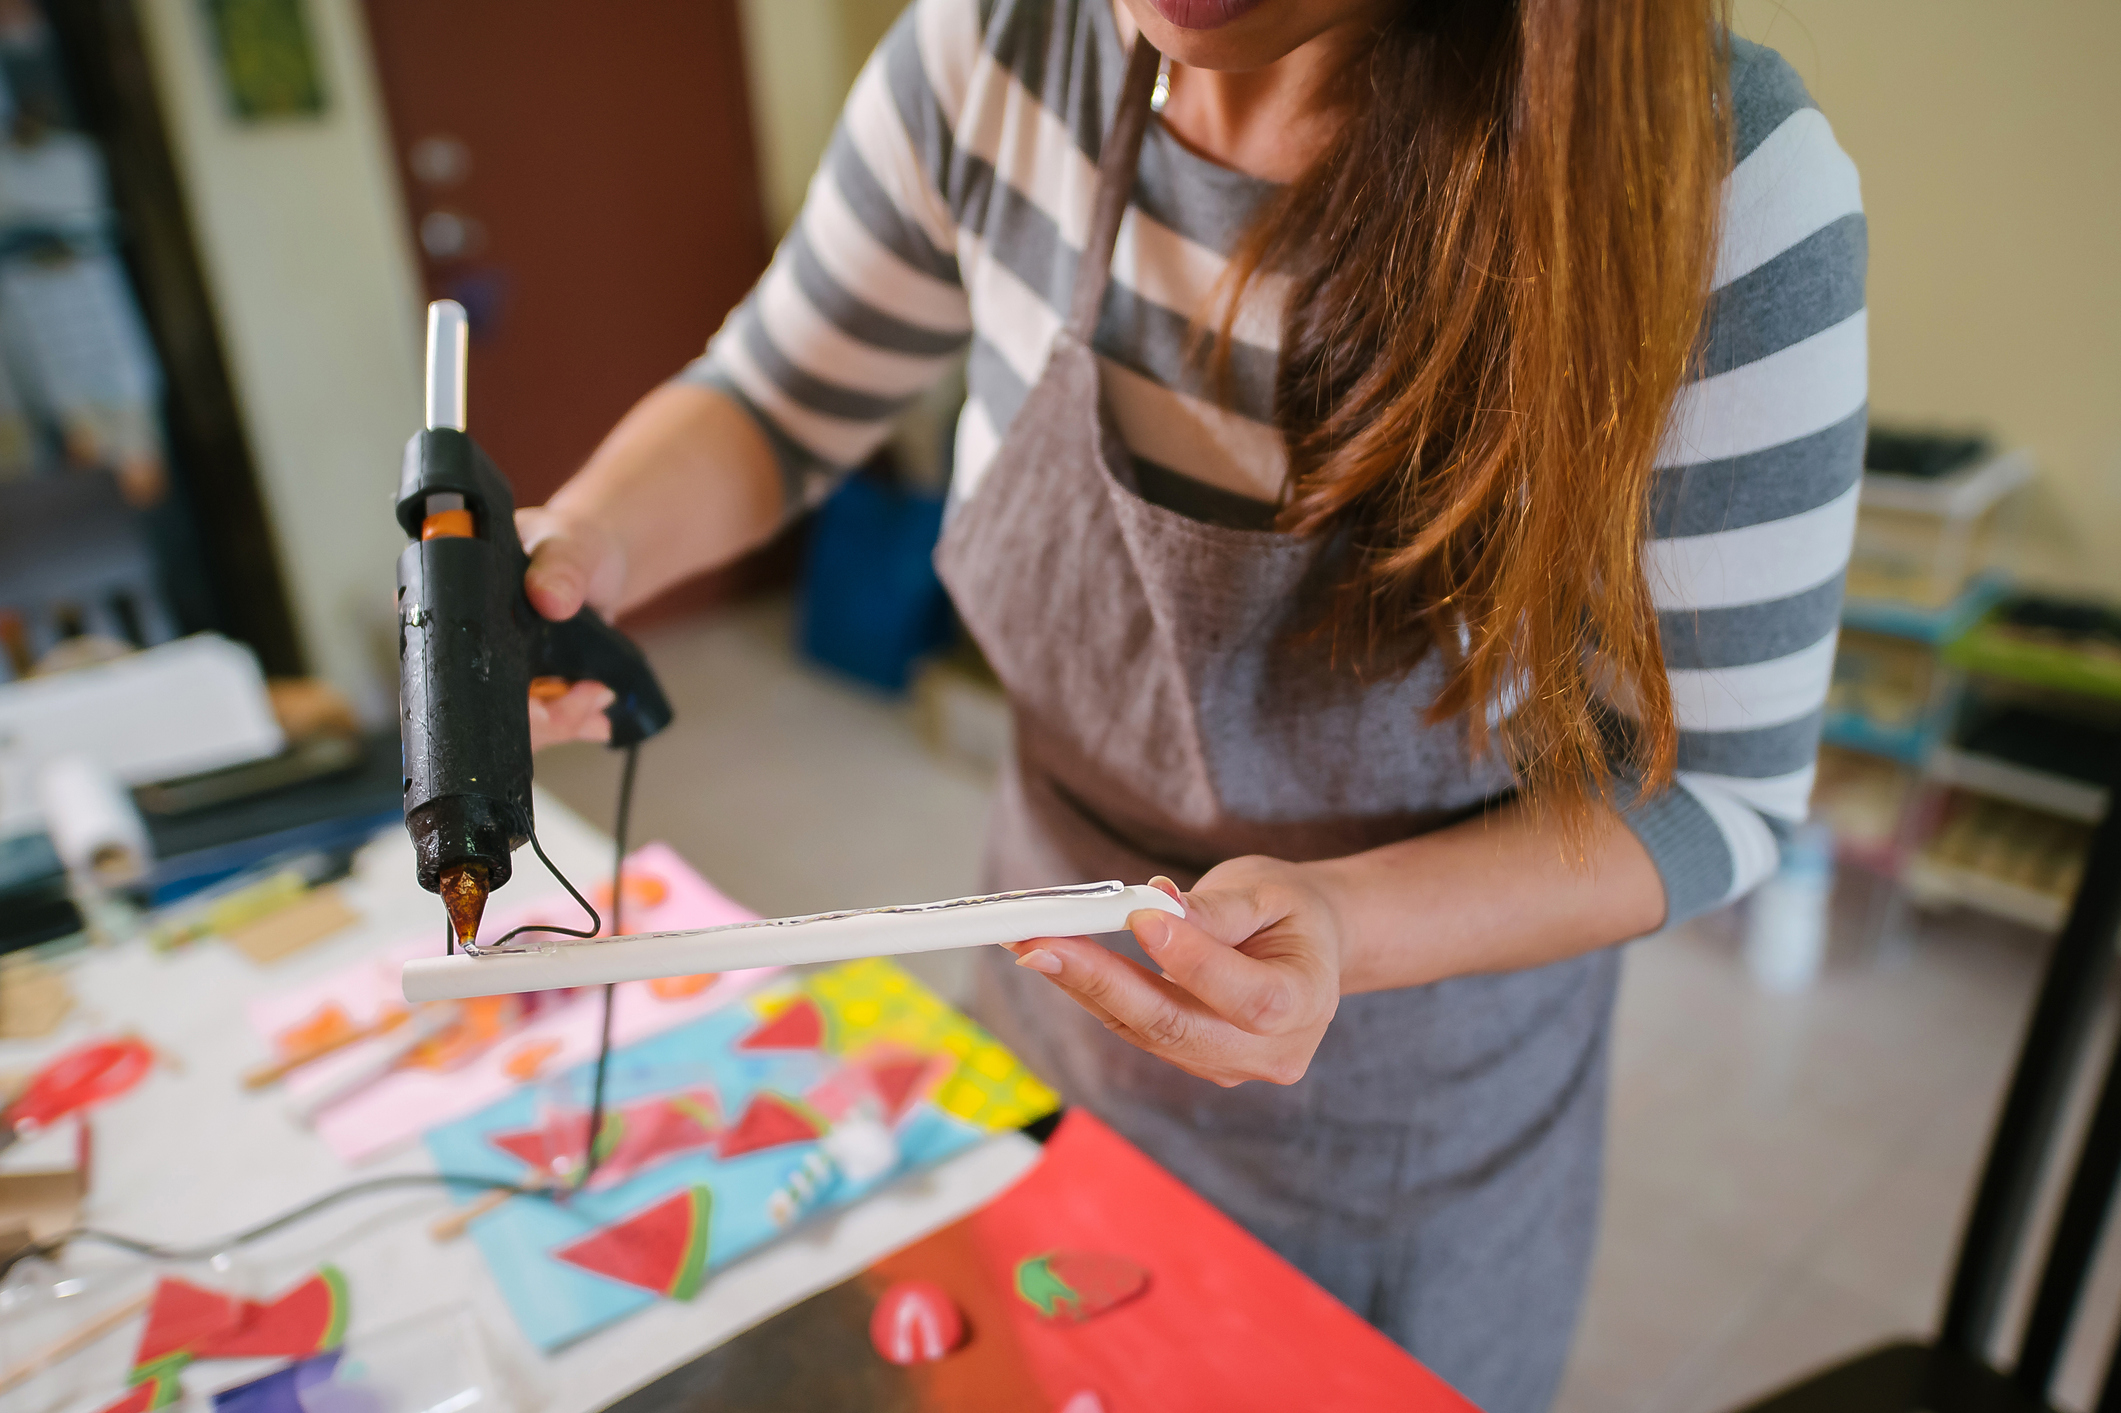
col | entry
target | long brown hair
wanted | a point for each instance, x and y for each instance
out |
(1498, 276)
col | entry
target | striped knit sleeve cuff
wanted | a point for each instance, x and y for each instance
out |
(1685, 842)
(806, 478)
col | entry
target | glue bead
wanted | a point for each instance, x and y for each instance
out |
(915, 1322)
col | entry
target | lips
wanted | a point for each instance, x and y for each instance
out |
(1203, 14)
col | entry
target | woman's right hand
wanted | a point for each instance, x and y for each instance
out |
(572, 563)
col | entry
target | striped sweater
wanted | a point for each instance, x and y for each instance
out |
(946, 221)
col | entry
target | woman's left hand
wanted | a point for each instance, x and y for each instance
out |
(1250, 976)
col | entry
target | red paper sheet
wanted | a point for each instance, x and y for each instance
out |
(1224, 1323)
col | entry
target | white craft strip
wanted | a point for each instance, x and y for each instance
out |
(826, 937)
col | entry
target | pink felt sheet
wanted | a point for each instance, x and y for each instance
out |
(407, 1102)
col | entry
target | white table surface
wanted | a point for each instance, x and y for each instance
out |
(191, 1156)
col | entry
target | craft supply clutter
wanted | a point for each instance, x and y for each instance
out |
(312, 1126)
(1059, 707)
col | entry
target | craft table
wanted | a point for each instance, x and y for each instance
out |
(190, 1156)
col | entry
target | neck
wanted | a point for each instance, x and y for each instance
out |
(1269, 122)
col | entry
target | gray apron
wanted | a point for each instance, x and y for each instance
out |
(1438, 1167)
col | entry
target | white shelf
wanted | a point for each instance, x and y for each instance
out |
(1936, 885)
(2003, 780)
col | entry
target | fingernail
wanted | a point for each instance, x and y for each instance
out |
(1165, 885)
(605, 696)
(1040, 960)
(1153, 931)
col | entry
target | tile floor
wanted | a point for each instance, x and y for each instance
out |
(1786, 1174)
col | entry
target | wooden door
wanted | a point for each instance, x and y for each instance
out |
(582, 177)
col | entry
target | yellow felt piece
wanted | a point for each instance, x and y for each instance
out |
(877, 1000)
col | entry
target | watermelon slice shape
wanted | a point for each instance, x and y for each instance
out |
(769, 1121)
(181, 1316)
(1069, 1287)
(799, 1027)
(661, 1248)
(309, 1318)
(657, 1131)
(899, 1082)
(635, 1138)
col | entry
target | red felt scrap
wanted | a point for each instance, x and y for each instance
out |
(1224, 1322)
(534, 1146)
(800, 1027)
(661, 1248)
(636, 1137)
(768, 1121)
(181, 1316)
(301, 1321)
(898, 1083)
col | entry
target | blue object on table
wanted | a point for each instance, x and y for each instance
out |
(871, 603)
(294, 1389)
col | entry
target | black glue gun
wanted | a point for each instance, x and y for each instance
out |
(469, 645)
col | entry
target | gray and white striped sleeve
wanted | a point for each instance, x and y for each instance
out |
(862, 308)
(1754, 504)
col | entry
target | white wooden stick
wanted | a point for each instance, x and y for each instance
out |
(73, 1343)
(825, 937)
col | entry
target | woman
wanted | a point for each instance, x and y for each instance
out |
(1380, 528)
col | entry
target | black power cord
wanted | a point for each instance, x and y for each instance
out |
(333, 1198)
(156, 1252)
(621, 818)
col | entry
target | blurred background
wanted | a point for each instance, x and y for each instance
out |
(220, 221)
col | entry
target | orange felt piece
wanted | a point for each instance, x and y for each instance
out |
(678, 988)
(325, 1028)
(524, 1062)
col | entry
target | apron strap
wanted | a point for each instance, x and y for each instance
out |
(1115, 183)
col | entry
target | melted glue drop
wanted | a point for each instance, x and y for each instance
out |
(463, 890)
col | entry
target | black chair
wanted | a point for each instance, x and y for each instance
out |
(1952, 1374)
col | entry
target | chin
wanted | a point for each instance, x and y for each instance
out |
(1232, 35)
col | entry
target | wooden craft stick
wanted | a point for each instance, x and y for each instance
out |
(74, 1342)
(825, 937)
(451, 1225)
(267, 1072)
(403, 1040)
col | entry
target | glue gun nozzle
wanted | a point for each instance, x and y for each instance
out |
(464, 894)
